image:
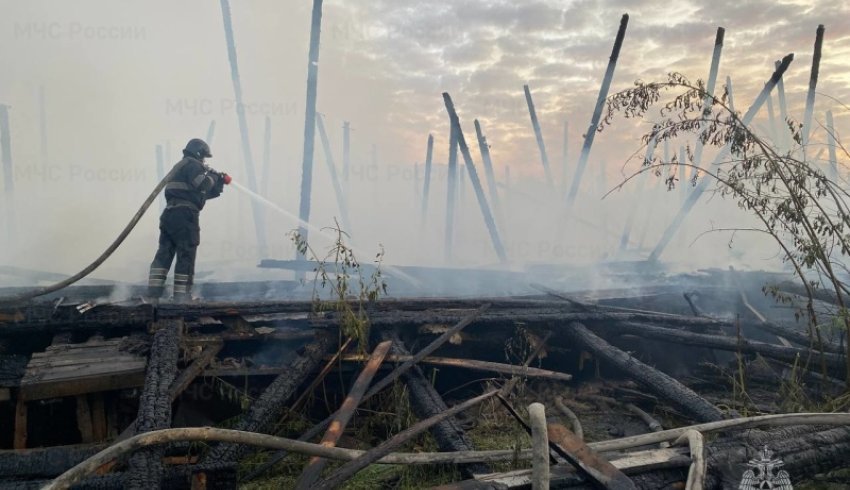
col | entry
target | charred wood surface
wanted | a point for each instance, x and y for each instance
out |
(145, 467)
(268, 408)
(655, 380)
(43, 462)
(426, 403)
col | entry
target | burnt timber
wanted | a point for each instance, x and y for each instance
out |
(280, 346)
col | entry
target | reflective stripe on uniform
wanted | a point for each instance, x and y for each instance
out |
(157, 276)
(197, 181)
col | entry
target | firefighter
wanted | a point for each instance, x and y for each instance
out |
(192, 184)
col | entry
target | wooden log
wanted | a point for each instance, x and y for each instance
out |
(269, 406)
(810, 94)
(656, 381)
(696, 473)
(540, 447)
(575, 423)
(166, 436)
(380, 385)
(84, 420)
(427, 403)
(343, 415)
(474, 365)
(577, 453)
(145, 467)
(538, 135)
(44, 462)
(597, 112)
(429, 155)
(773, 351)
(349, 469)
(476, 182)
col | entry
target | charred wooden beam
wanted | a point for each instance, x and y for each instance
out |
(426, 403)
(451, 195)
(600, 470)
(268, 408)
(475, 365)
(654, 380)
(316, 464)
(145, 467)
(538, 135)
(810, 95)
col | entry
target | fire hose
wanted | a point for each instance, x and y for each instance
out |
(34, 293)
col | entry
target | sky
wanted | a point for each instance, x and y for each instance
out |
(121, 77)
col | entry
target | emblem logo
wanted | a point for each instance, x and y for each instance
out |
(764, 474)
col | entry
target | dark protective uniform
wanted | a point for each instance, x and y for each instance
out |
(180, 233)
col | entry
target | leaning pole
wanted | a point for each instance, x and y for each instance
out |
(597, 112)
(259, 221)
(310, 118)
(538, 135)
(429, 155)
(694, 196)
(810, 95)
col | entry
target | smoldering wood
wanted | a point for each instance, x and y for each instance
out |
(343, 415)
(349, 469)
(427, 403)
(269, 406)
(654, 380)
(538, 135)
(597, 112)
(380, 385)
(46, 462)
(476, 183)
(145, 467)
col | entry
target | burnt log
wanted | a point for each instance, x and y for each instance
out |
(44, 462)
(145, 467)
(734, 344)
(426, 403)
(269, 407)
(655, 380)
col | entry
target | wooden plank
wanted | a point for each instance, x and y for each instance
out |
(315, 466)
(574, 450)
(76, 371)
(476, 365)
(185, 378)
(70, 387)
(84, 419)
(628, 463)
(98, 417)
(20, 441)
(57, 362)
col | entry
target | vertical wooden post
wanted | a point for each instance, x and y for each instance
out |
(476, 183)
(833, 158)
(340, 200)
(694, 196)
(98, 417)
(710, 85)
(783, 113)
(8, 170)
(450, 196)
(267, 150)
(42, 126)
(627, 229)
(597, 112)
(538, 134)
(20, 441)
(484, 148)
(565, 162)
(429, 154)
(160, 174)
(210, 133)
(259, 215)
(84, 419)
(540, 447)
(346, 160)
(813, 83)
(310, 117)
